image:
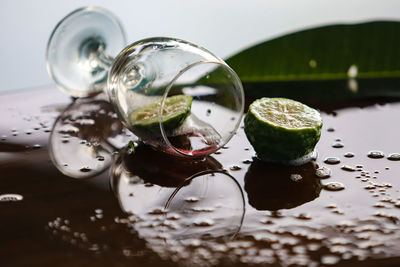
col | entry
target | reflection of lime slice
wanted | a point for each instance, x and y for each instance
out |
(281, 129)
(176, 108)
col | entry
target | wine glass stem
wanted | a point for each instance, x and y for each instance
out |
(95, 60)
(104, 60)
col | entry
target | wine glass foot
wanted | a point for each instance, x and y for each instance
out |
(80, 48)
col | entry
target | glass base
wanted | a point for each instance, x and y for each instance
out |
(80, 48)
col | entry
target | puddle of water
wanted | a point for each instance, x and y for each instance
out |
(289, 218)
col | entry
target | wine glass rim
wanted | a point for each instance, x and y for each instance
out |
(168, 88)
(206, 172)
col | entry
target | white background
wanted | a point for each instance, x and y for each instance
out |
(222, 26)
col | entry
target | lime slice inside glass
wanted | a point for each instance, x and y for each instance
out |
(281, 129)
(175, 111)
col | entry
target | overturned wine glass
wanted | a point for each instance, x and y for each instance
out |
(174, 95)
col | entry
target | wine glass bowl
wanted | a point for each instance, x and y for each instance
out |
(144, 77)
(154, 69)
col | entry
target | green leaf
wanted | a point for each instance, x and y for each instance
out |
(327, 67)
(367, 50)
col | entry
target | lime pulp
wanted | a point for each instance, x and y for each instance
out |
(176, 109)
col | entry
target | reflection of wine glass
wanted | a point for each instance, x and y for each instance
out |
(217, 195)
(272, 186)
(84, 137)
(183, 197)
(79, 59)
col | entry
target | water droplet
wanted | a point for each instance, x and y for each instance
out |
(219, 248)
(369, 187)
(199, 209)
(379, 205)
(11, 197)
(375, 154)
(85, 169)
(98, 211)
(208, 112)
(36, 146)
(68, 130)
(387, 185)
(94, 247)
(348, 168)
(191, 199)
(352, 71)
(304, 216)
(247, 161)
(338, 145)
(323, 172)
(332, 160)
(194, 242)
(266, 221)
(173, 216)
(296, 177)
(100, 158)
(338, 211)
(331, 206)
(394, 156)
(204, 222)
(157, 211)
(349, 154)
(334, 186)
(313, 246)
(340, 241)
(84, 122)
(352, 85)
(312, 63)
(330, 129)
(276, 214)
(235, 168)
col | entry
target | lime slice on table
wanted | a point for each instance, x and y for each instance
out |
(145, 120)
(281, 129)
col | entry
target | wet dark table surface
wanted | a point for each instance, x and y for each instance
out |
(292, 216)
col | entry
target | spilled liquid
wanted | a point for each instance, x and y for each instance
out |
(318, 213)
